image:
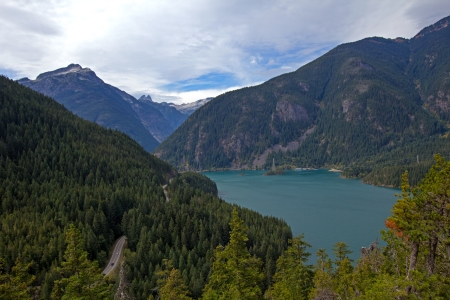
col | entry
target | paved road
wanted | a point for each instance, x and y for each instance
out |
(114, 261)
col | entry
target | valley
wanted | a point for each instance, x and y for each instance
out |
(179, 188)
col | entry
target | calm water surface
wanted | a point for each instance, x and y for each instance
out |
(320, 204)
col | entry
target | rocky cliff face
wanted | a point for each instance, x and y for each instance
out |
(287, 111)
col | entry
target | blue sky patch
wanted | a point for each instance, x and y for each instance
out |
(269, 58)
(8, 73)
(214, 80)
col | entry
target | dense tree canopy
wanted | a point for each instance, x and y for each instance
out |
(80, 278)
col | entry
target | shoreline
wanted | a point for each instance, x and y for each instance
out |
(306, 169)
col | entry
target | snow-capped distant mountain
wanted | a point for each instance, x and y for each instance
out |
(185, 108)
(189, 108)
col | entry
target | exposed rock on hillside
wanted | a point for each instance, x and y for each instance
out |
(287, 111)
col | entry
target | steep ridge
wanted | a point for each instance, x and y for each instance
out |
(429, 67)
(82, 92)
(356, 101)
(174, 118)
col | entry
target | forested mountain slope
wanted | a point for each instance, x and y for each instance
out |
(357, 101)
(57, 169)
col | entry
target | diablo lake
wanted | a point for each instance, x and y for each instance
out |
(318, 203)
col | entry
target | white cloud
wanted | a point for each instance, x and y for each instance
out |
(143, 46)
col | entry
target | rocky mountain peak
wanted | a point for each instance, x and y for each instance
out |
(189, 108)
(145, 98)
(70, 70)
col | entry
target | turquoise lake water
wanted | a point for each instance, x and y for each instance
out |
(320, 204)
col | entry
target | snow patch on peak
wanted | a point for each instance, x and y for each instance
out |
(72, 68)
(189, 108)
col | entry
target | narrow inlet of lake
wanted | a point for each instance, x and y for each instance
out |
(320, 204)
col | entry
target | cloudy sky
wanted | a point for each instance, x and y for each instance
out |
(185, 50)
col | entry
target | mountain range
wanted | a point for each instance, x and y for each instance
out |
(81, 91)
(373, 98)
(365, 107)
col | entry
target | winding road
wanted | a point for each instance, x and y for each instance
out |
(165, 192)
(115, 256)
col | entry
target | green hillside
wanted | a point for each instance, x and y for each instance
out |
(358, 101)
(57, 169)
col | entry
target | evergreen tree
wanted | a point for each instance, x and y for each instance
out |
(174, 289)
(81, 278)
(170, 283)
(16, 285)
(235, 274)
(386, 287)
(343, 275)
(293, 279)
(323, 283)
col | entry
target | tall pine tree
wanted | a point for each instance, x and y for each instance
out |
(81, 278)
(235, 274)
(293, 278)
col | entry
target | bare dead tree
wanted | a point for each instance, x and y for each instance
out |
(367, 251)
(122, 291)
